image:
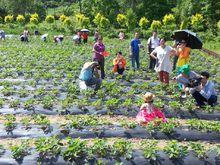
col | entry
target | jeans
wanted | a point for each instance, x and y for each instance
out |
(175, 59)
(135, 58)
(152, 62)
(102, 66)
(200, 100)
(94, 81)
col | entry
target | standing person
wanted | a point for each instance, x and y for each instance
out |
(163, 66)
(96, 35)
(25, 34)
(85, 37)
(152, 43)
(119, 64)
(183, 53)
(148, 111)
(2, 34)
(98, 50)
(121, 35)
(175, 58)
(134, 51)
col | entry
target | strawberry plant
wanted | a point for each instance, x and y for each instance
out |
(29, 104)
(99, 148)
(43, 121)
(150, 149)
(121, 148)
(14, 104)
(10, 124)
(2, 150)
(199, 150)
(26, 122)
(175, 150)
(97, 104)
(20, 151)
(48, 102)
(128, 124)
(112, 104)
(48, 148)
(76, 150)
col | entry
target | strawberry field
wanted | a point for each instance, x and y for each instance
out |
(46, 119)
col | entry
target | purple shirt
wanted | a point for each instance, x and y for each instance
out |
(99, 48)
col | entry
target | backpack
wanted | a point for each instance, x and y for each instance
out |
(86, 74)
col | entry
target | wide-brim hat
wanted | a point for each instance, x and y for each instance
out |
(148, 97)
(89, 64)
(183, 41)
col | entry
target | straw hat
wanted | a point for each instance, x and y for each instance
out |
(148, 97)
(89, 64)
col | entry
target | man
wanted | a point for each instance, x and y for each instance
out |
(134, 51)
(152, 43)
(204, 92)
(89, 74)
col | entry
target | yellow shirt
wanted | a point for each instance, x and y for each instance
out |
(183, 56)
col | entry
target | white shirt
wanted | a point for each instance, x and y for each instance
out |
(155, 42)
(163, 59)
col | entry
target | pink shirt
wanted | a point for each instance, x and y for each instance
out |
(99, 48)
(144, 116)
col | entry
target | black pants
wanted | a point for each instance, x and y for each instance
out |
(101, 63)
(120, 70)
(200, 100)
(152, 62)
(85, 41)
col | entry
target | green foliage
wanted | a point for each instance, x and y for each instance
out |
(101, 21)
(122, 148)
(155, 25)
(76, 150)
(197, 21)
(175, 150)
(82, 21)
(50, 19)
(9, 18)
(168, 19)
(199, 150)
(143, 22)
(20, 19)
(150, 149)
(122, 20)
(20, 151)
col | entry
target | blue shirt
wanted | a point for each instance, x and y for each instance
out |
(208, 90)
(135, 46)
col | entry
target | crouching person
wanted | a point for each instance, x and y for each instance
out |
(204, 91)
(148, 112)
(119, 64)
(90, 76)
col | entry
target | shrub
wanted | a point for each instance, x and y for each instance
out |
(9, 18)
(168, 19)
(1, 19)
(67, 21)
(62, 18)
(184, 24)
(122, 20)
(50, 19)
(197, 22)
(34, 18)
(20, 19)
(155, 25)
(101, 21)
(218, 24)
(82, 20)
(143, 22)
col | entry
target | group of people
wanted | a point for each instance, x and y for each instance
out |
(198, 85)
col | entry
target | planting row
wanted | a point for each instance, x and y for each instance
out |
(108, 151)
(94, 126)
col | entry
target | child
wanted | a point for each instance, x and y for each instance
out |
(148, 112)
(119, 64)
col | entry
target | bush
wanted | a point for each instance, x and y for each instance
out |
(197, 22)
(1, 19)
(50, 19)
(34, 20)
(62, 18)
(20, 19)
(155, 25)
(218, 25)
(122, 20)
(9, 18)
(101, 21)
(82, 20)
(143, 22)
(168, 19)
(67, 21)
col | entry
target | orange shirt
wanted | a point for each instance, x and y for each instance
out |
(84, 36)
(118, 61)
(183, 56)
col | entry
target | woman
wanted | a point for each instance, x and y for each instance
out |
(98, 50)
(162, 54)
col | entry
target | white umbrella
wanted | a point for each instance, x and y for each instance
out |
(76, 37)
(84, 30)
